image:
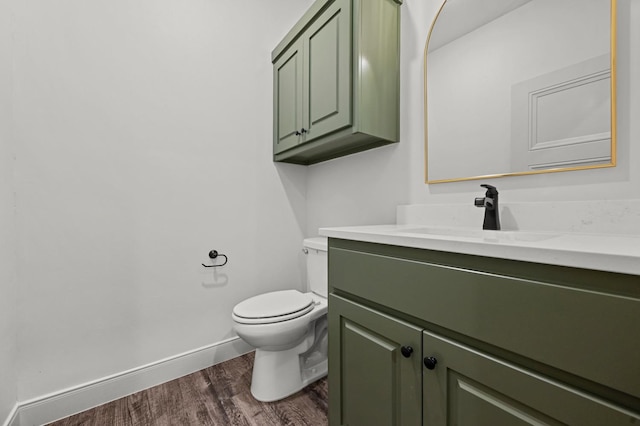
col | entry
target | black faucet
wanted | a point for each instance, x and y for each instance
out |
(490, 204)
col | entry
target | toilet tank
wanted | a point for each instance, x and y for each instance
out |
(316, 250)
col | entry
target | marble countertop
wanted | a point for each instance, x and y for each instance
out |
(605, 252)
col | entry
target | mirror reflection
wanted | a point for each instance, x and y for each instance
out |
(519, 87)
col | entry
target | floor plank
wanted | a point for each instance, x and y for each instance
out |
(218, 395)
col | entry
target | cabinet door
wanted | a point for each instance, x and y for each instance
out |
(327, 83)
(468, 387)
(287, 98)
(371, 381)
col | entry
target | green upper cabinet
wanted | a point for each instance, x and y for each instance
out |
(327, 83)
(287, 80)
(336, 81)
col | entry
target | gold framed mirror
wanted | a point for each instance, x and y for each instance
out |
(519, 87)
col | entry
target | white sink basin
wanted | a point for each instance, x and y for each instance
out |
(479, 234)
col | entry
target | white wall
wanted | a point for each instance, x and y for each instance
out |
(365, 188)
(143, 135)
(8, 282)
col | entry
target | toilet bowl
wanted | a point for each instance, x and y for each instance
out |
(289, 331)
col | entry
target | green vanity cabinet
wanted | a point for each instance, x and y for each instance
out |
(379, 359)
(336, 81)
(469, 388)
(503, 342)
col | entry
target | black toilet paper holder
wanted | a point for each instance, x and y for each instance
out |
(213, 254)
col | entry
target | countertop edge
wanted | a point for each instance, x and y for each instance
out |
(536, 253)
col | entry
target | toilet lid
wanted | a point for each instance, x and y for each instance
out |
(277, 305)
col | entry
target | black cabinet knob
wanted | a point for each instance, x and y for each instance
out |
(303, 130)
(430, 363)
(406, 351)
(298, 133)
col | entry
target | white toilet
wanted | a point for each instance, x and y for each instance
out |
(289, 331)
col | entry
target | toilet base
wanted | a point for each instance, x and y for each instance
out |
(278, 374)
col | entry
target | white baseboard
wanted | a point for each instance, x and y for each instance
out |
(12, 419)
(74, 400)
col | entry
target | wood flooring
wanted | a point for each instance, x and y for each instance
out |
(218, 395)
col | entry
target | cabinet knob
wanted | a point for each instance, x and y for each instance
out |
(406, 351)
(298, 133)
(303, 130)
(430, 363)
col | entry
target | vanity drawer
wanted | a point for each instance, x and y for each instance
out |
(572, 329)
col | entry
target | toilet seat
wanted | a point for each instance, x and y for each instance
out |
(273, 307)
